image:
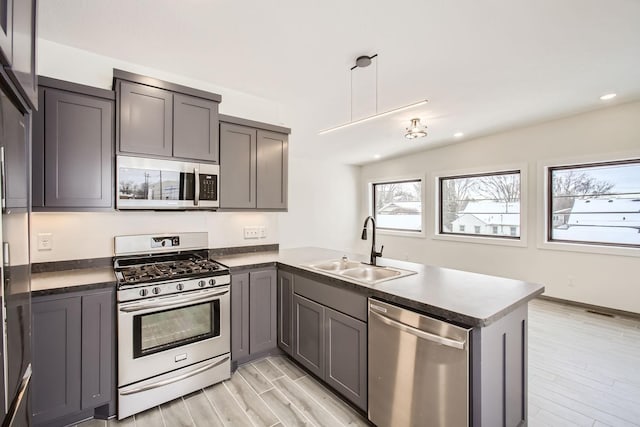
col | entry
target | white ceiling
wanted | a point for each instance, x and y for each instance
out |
(484, 65)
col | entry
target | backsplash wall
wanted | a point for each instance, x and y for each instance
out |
(82, 235)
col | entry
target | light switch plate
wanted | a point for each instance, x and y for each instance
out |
(45, 241)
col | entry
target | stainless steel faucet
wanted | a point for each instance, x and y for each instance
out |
(374, 254)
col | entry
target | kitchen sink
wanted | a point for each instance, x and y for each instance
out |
(360, 272)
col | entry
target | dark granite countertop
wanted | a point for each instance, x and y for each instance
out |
(65, 281)
(469, 298)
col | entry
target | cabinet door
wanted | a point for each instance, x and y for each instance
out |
(23, 65)
(237, 166)
(97, 349)
(308, 329)
(15, 164)
(195, 128)
(56, 358)
(346, 356)
(272, 170)
(146, 117)
(285, 307)
(6, 32)
(239, 315)
(78, 144)
(263, 309)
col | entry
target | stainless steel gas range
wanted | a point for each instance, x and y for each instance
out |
(173, 319)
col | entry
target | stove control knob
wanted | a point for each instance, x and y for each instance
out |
(179, 286)
(143, 292)
(202, 283)
(156, 291)
(212, 282)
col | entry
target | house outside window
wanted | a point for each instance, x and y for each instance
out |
(397, 205)
(595, 204)
(486, 203)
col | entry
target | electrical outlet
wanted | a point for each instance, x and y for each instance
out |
(251, 232)
(263, 231)
(45, 241)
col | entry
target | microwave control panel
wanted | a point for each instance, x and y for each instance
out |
(208, 187)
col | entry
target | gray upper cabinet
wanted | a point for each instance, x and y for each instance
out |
(346, 356)
(262, 306)
(239, 316)
(285, 311)
(237, 166)
(254, 165)
(195, 128)
(163, 119)
(56, 358)
(308, 328)
(272, 170)
(6, 32)
(73, 150)
(23, 64)
(146, 119)
(15, 152)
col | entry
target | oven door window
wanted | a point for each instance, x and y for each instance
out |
(163, 330)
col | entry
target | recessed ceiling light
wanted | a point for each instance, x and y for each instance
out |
(376, 156)
(458, 135)
(608, 96)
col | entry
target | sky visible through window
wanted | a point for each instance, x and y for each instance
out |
(596, 204)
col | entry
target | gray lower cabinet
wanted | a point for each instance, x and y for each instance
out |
(285, 311)
(329, 332)
(73, 353)
(146, 119)
(253, 168)
(308, 330)
(195, 128)
(73, 149)
(253, 314)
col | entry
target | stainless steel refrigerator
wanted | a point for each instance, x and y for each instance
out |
(15, 348)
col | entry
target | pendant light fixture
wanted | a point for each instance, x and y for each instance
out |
(363, 62)
(416, 130)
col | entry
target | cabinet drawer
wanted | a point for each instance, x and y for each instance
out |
(342, 300)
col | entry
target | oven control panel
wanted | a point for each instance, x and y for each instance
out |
(152, 290)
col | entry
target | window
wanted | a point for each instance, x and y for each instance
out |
(595, 203)
(488, 204)
(398, 205)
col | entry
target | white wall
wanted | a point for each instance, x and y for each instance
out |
(604, 280)
(322, 192)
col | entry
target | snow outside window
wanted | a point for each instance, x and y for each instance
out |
(595, 203)
(398, 205)
(485, 204)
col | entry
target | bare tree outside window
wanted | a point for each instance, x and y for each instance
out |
(398, 205)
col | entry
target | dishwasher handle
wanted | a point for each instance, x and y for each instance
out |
(420, 333)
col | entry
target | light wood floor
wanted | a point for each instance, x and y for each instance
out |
(584, 370)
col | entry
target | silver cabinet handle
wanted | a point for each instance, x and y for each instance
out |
(175, 379)
(157, 304)
(196, 197)
(419, 333)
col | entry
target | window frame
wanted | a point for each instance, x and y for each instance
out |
(489, 239)
(392, 180)
(580, 245)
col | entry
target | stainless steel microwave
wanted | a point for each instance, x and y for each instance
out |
(166, 184)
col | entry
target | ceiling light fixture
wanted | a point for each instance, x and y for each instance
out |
(364, 61)
(608, 96)
(376, 156)
(416, 130)
(458, 135)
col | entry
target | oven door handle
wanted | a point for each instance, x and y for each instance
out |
(157, 304)
(175, 379)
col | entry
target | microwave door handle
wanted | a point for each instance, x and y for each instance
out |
(3, 177)
(196, 198)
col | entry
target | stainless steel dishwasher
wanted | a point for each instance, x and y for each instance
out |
(418, 369)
